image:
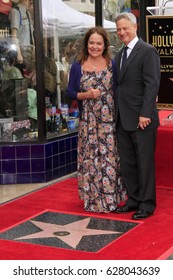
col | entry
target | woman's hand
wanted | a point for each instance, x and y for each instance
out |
(93, 93)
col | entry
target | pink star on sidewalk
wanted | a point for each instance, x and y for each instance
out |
(71, 233)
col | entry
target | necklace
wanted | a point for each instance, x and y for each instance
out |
(94, 65)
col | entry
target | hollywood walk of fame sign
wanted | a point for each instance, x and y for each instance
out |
(160, 35)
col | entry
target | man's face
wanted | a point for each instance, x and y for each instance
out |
(126, 30)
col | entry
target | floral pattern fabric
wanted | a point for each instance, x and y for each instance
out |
(99, 181)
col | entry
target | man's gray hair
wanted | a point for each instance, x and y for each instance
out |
(129, 16)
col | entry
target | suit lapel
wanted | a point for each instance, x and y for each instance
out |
(131, 57)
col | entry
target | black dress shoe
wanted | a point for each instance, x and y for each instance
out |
(141, 214)
(124, 209)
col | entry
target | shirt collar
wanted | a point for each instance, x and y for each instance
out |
(133, 43)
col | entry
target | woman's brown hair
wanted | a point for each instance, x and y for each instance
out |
(84, 51)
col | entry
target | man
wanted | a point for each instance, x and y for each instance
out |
(138, 82)
(22, 34)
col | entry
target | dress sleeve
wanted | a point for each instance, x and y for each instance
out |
(14, 17)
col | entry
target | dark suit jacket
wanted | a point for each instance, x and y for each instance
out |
(138, 85)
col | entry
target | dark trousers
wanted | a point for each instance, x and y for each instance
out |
(137, 165)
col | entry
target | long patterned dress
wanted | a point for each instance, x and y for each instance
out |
(99, 181)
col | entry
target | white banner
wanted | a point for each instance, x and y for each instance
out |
(86, 270)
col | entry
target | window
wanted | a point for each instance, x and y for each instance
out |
(18, 96)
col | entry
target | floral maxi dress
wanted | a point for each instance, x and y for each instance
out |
(99, 181)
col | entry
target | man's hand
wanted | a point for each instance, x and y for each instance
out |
(143, 122)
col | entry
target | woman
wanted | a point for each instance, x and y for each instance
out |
(91, 82)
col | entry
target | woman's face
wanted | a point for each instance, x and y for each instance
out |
(95, 45)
